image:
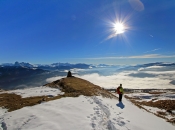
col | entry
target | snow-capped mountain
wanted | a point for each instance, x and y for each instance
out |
(23, 64)
(48, 66)
(21, 74)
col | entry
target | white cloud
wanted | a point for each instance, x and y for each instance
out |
(151, 35)
(49, 80)
(150, 67)
(145, 77)
(75, 70)
(153, 50)
(134, 57)
(113, 81)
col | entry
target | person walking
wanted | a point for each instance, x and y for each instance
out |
(120, 92)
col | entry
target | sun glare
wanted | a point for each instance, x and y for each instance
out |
(119, 28)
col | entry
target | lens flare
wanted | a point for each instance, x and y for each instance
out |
(119, 28)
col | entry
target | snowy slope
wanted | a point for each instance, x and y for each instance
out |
(37, 91)
(161, 95)
(82, 113)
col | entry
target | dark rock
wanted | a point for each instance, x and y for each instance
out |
(169, 111)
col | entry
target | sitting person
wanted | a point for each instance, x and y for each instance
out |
(69, 74)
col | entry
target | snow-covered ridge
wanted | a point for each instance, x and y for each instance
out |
(158, 102)
(37, 91)
(82, 113)
(78, 113)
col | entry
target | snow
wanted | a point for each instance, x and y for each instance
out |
(156, 110)
(81, 113)
(155, 97)
(37, 91)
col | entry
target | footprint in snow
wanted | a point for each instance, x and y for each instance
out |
(120, 117)
(99, 115)
(97, 112)
(121, 123)
(119, 113)
(93, 125)
(96, 108)
(114, 119)
(94, 118)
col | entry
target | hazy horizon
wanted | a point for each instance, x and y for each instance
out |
(154, 76)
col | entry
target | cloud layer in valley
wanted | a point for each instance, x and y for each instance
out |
(159, 77)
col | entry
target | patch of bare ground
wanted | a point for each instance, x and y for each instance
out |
(13, 101)
(1, 90)
(168, 105)
(71, 86)
(156, 92)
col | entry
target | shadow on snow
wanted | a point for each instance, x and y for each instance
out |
(121, 105)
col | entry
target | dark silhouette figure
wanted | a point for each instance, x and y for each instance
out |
(69, 74)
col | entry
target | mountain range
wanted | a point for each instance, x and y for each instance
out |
(22, 74)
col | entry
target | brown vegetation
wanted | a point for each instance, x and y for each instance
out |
(72, 86)
(162, 104)
(156, 92)
(13, 101)
(162, 113)
(167, 105)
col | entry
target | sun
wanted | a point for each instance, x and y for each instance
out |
(119, 28)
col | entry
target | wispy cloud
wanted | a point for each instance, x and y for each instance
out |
(152, 50)
(151, 35)
(134, 57)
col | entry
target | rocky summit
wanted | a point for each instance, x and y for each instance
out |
(73, 87)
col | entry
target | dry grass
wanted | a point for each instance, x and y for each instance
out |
(156, 92)
(167, 105)
(72, 86)
(172, 120)
(162, 113)
(162, 104)
(13, 101)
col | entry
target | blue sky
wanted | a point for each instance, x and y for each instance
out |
(82, 31)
